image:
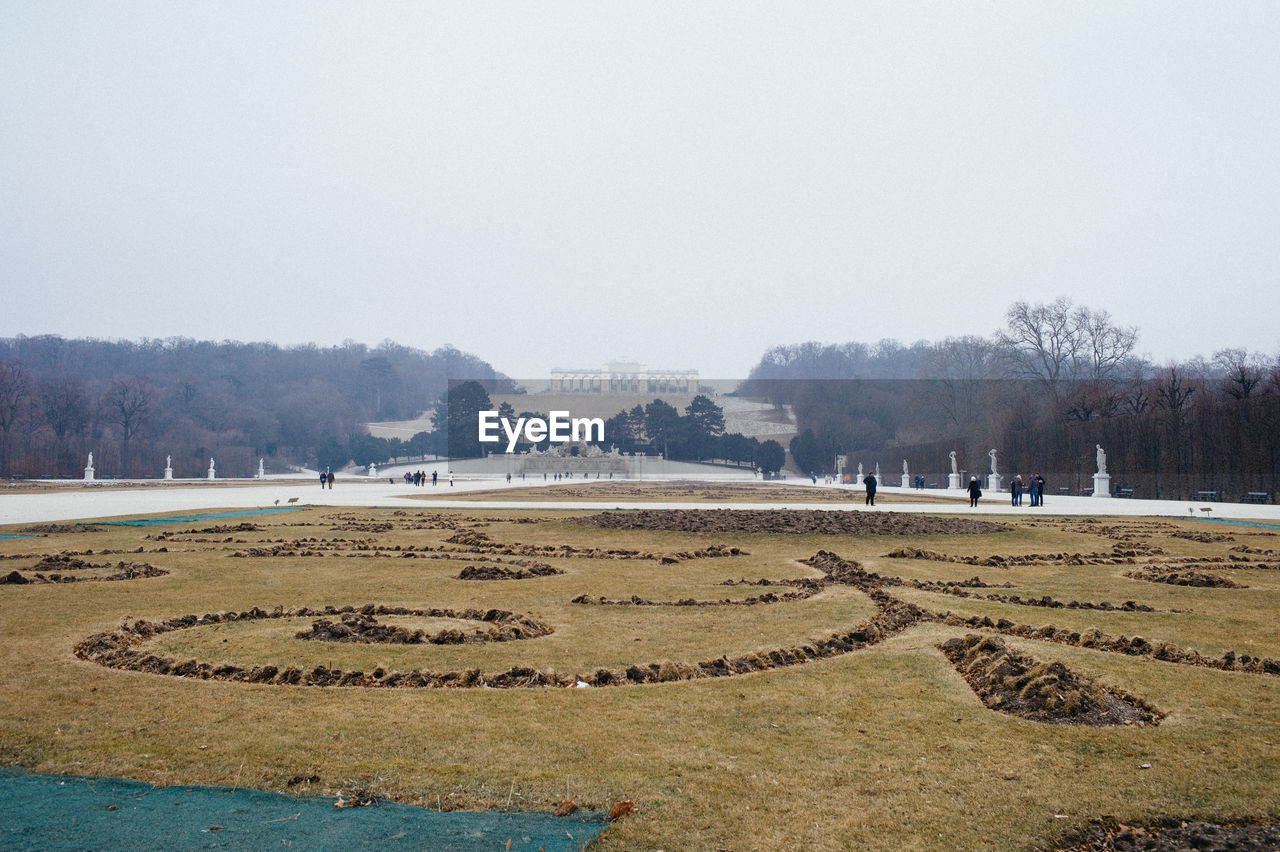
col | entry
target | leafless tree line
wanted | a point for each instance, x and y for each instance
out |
(133, 404)
(1056, 380)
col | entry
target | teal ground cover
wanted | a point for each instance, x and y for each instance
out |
(1235, 523)
(68, 812)
(8, 536)
(187, 519)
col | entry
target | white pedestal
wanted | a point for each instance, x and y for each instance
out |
(906, 480)
(1102, 485)
(373, 470)
(168, 473)
(953, 481)
(994, 483)
(212, 475)
(88, 474)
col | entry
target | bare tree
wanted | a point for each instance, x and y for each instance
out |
(127, 403)
(15, 398)
(1041, 343)
(65, 405)
(1105, 348)
(15, 393)
(1057, 343)
(1137, 393)
(1173, 388)
(958, 373)
(1244, 371)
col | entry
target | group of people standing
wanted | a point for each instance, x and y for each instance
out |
(1034, 486)
(419, 477)
(326, 478)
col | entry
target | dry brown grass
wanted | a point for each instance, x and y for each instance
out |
(882, 748)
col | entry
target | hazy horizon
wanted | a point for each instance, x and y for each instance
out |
(687, 186)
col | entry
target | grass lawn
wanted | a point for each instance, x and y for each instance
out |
(886, 746)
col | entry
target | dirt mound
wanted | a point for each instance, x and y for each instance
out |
(123, 571)
(121, 649)
(1135, 646)
(360, 627)
(497, 572)
(62, 562)
(1118, 556)
(1014, 683)
(636, 600)
(794, 521)
(1105, 834)
(243, 526)
(847, 572)
(470, 538)
(61, 528)
(1205, 537)
(1182, 578)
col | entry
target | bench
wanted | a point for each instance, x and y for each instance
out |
(1257, 497)
(1064, 492)
(1211, 496)
(1124, 492)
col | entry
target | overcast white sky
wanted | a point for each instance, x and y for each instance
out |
(685, 184)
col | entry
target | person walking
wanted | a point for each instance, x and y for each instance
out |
(331, 477)
(450, 479)
(323, 479)
(434, 474)
(870, 482)
(1015, 488)
(975, 491)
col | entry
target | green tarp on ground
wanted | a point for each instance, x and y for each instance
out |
(187, 519)
(68, 812)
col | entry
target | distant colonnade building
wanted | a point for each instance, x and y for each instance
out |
(624, 377)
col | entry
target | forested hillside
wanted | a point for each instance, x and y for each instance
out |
(1043, 391)
(134, 403)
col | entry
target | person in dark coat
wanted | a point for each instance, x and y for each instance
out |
(871, 484)
(331, 477)
(1039, 490)
(975, 491)
(323, 478)
(1015, 488)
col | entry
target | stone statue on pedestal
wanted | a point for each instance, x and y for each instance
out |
(1101, 479)
(992, 453)
(954, 467)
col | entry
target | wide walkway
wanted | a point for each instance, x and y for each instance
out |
(104, 501)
